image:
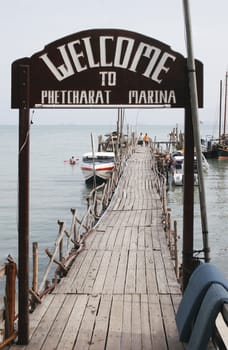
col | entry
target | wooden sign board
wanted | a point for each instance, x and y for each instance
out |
(103, 68)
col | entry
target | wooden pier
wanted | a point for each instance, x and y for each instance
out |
(121, 291)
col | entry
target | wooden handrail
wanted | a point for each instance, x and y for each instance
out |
(9, 271)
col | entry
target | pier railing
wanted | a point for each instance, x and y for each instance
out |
(70, 242)
(8, 272)
(161, 187)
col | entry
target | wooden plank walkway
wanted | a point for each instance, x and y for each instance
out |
(121, 292)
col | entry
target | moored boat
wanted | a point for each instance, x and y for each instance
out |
(177, 168)
(99, 165)
(222, 145)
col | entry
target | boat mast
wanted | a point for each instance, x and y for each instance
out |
(220, 111)
(225, 105)
(93, 156)
(195, 122)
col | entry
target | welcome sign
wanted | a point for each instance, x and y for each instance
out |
(104, 67)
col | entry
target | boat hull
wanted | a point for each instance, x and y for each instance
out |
(222, 154)
(98, 165)
(101, 173)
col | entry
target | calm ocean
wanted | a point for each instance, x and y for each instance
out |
(56, 187)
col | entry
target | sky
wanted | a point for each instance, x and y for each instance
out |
(27, 26)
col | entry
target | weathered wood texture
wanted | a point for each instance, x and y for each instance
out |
(121, 292)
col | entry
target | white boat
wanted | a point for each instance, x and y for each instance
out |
(177, 168)
(98, 164)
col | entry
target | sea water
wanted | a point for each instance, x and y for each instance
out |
(56, 187)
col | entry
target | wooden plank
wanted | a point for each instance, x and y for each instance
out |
(176, 299)
(73, 324)
(169, 323)
(41, 309)
(137, 217)
(152, 287)
(119, 285)
(99, 337)
(162, 283)
(156, 323)
(35, 318)
(174, 286)
(131, 273)
(59, 324)
(155, 238)
(127, 237)
(40, 334)
(134, 238)
(142, 221)
(112, 238)
(141, 238)
(119, 239)
(115, 326)
(65, 284)
(96, 241)
(136, 323)
(124, 218)
(148, 237)
(111, 273)
(79, 279)
(145, 323)
(87, 325)
(105, 237)
(127, 321)
(141, 286)
(102, 273)
(89, 280)
(149, 219)
(89, 238)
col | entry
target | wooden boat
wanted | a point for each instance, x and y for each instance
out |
(99, 165)
(221, 148)
(209, 147)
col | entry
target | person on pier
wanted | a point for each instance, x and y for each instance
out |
(140, 139)
(146, 139)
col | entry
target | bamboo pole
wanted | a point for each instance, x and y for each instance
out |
(60, 237)
(11, 272)
(176, 249)
(35, 267)
(195, 122)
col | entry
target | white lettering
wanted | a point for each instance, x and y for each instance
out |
(62, 72)
(142, 58)
(119, 52)
(103, 51)
(152, 97)
(89, 51)
(152, 62)
(76, 56)
(75, 97)
(108, 78)
(161, 66)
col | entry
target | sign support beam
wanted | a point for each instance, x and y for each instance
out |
(23, 208)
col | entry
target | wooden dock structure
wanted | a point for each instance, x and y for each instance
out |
(121, 291)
